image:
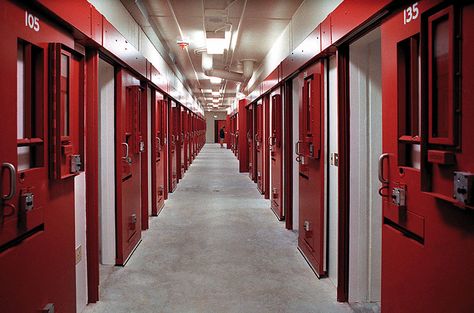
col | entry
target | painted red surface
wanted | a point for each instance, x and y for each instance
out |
(427, 245)
(311, 168)
(30, 241)
(157, 154)
(276, 154)
(128, 164)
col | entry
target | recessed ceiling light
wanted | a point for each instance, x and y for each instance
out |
(215, 45)
(216, 93)
(215, 80)
(215, 100)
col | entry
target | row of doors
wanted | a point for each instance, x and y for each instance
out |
(75, 115)
(385, 208)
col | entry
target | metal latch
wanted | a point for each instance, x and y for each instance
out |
(311, 149)
(27, 200)
(142, 146)
(463, 187)
(49, 308)
(76, 163)
(133, 218)
(399, 196)
(306, 225)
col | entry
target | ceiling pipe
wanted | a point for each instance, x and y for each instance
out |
(243, 78)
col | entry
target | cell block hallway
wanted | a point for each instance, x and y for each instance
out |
(216, 247)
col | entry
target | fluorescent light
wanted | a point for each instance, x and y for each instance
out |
(206, 62)
(215, 100)
(206, 90)
(215, 80)
(215, 45)
(216, 93)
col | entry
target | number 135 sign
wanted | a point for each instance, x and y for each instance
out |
(411, 13)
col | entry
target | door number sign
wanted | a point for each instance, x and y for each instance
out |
(411, 13)
(32, 21)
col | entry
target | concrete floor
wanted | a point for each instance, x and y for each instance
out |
(216, 247)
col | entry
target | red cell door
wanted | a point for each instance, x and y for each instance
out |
(37, 192)
(190, 138)
(275, 147)
(179, 143)
(165, 145)
(157, 152)
(184, 140)
(173, 158)
(427, 168)
(129, 145)
(311, 239)
(259, 157)
(250, 142)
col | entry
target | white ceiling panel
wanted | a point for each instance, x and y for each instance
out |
(261, 23)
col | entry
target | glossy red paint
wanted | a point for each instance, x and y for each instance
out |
(173, 150)
(92, 177)
(31, 238)
(144, 155)
(158, 170)
(276, 154)
(242, 144)
(128, 164)
(259, 146)
(311, 168)
(227, 133)
(424, 247)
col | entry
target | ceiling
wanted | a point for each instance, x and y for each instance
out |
(254, 26)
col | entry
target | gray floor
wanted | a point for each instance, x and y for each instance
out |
(216, 247)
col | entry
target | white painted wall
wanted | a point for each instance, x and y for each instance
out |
(309, 15)
(365, 146)
(209, 116)
(297, 85)
(80, 225)
(116, 13)
(332, 181)
(150, 137)
(107, 163)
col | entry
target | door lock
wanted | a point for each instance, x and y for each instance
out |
(75, 163)
(27, 201)
(464, 187)
(306, 225)
(399, 196)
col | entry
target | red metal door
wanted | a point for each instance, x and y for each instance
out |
(190, 138)
(129, 145)
(311, 240)
(157, 153)
(184, 140)
(250, 141)
(275, 147)
(173, 159)
(259, 158)
(165, 145)
(37, 207)
(427, 233)
(179, 142)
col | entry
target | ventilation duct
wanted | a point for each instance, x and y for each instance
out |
(243, 78)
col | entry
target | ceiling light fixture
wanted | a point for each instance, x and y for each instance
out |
(215, 100)
(215, 45)
(215, 80)
(216, 93)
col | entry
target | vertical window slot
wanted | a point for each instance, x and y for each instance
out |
(29, 106)
(408, 81)
(441, 77)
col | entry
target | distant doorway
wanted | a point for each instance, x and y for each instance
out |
(218, 124)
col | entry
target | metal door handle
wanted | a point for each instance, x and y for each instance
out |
(126, 150)
(12, 170)
(381, 178)
(297, 147)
